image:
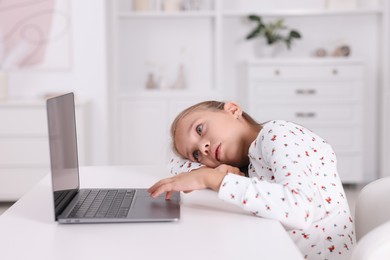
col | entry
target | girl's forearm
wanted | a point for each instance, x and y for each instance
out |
(213, 179)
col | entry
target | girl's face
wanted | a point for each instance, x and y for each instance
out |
(215, 137)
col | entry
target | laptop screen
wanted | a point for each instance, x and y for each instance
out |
(63, 149)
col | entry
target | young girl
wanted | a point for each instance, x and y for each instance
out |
(292, 174)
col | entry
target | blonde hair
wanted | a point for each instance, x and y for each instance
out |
(211, 105)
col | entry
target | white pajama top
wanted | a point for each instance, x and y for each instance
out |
(293, 178)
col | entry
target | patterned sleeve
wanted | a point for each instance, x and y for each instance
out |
(288, 194)
(178, 165)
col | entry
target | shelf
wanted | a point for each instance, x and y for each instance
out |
(295, 61)
(234, 13)
(161, 14)
(304, 12)
(168, 93)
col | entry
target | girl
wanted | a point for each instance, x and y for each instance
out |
(292, 174)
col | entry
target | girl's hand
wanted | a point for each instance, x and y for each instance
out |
(198, 179)
(181, 182)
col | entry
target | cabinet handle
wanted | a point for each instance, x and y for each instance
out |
(277, 72)
(305, 115)
(305, 91)
(335, 71)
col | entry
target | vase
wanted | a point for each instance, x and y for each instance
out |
(180, 82)
(268, 51)
(172, 5)
(264, 50)
(142, 5)
(3, 85)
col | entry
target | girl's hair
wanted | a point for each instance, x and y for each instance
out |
(205, 105)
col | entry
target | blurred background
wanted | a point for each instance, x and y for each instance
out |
(134, 64)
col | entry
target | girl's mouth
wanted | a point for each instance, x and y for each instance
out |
(217, 152)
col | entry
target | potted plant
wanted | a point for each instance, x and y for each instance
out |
(273, 32)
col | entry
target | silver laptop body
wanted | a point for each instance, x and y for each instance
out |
(75, 205)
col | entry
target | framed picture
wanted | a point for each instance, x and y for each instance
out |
(35, 34)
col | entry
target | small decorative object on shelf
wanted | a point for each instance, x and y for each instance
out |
(273, 33)
(143, 5)
(191, 5)
(151, 82)
(180, 82)
(172, 5)
(320, 52)
(342, 51)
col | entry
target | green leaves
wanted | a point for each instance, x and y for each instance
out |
(272, 32)
(258, 30)
(254, 18)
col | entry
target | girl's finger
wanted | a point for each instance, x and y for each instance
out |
(168, 195)
(161, 189)
(158, 184)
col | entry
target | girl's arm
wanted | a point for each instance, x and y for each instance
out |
(178, 165)
(285, 158)
(201, 178)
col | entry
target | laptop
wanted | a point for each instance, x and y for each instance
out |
(75, 205)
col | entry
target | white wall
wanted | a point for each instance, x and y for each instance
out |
(87, 75)
(385, 94)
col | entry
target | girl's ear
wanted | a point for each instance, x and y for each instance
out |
(233, 109)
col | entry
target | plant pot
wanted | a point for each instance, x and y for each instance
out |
(268, 51)
(264, 50)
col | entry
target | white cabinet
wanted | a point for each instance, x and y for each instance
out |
(325, 96)
(24, 148)
(211, 44)
(158, 43)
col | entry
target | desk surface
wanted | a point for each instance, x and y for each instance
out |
(208, 228)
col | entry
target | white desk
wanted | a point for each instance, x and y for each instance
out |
(208, 229)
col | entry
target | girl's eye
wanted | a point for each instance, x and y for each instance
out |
(199, 129)
(196, 155)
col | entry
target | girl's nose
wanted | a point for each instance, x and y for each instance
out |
(205, 148)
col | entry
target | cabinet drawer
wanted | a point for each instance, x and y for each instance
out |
(15, 182)
(24, 151)
(280, 72)
(339, 91)
(306, 114)
(23, 120)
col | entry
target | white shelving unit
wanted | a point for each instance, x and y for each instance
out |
(325, 96)
(24, 147)
(211, 44)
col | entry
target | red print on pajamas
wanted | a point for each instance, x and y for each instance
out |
(293, 179)
(297, 168)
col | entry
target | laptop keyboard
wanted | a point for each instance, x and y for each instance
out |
(59, 196)
(103, 204)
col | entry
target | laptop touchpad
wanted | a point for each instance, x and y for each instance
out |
(147, 208)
